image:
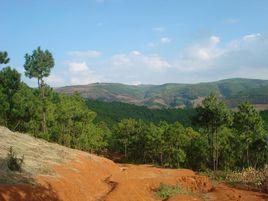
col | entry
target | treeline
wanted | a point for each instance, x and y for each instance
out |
(208, 137)
(113, 112)
(224, 139)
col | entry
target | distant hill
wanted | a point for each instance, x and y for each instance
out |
(172, 95)
(113, 112)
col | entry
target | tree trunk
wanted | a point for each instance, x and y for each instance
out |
(125, 150)
(42, 94)
(248, 156)
(217, 150)
(161, 158)
(213, 150)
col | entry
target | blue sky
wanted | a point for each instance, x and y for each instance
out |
(139, 41)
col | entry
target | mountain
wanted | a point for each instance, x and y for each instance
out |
(172, 95)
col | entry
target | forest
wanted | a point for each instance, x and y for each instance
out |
(211, 136)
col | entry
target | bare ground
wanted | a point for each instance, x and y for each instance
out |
(53, 172)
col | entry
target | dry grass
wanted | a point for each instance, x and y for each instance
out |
(248, 178)
(39, 156)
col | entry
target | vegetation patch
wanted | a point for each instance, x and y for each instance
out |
(247, 178)
(165, 191)
(14, 162)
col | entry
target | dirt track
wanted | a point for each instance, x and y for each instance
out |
(91, 177)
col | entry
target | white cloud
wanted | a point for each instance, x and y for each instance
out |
(85, 54)
(243, 57)
(252, 37)
(199, 56)
(165, 40)
(137, 59)
(155, 62)
(214, 40)
(136, 82)
(76, 67)
(55, 80)
(162, 41)
(203, 60)
(135, 53)
(79, 74)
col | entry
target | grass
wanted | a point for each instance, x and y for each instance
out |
(38, 156)
(165, 191)
(248, 178)
(14, 162)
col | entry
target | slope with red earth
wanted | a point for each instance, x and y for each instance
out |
(72, 175)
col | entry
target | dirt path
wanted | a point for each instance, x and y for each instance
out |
(93, 178)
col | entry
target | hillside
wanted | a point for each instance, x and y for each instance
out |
(113, 112)
(233, 91)
(53, 172)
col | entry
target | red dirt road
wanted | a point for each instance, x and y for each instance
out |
(95, 178)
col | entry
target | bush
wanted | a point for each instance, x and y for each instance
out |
(14, 163)
(249, 178)
(165, 191)
(265, 182)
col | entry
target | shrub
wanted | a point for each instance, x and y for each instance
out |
(249, 177)
(165, 191)
(14, 163)
(265, 182)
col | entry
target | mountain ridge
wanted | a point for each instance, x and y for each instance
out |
(175, 95)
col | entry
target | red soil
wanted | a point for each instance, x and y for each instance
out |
(91, 177)
(224, 193)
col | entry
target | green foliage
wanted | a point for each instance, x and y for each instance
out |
(39, 64)
(9, 81)
(213, 115)
(9, 86)
(113, 112)
(264, 115)
(14, 163)
(249, 124)
(163, 144)
(165, 191)
(4, 58)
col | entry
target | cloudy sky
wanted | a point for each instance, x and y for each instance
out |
(139, 41)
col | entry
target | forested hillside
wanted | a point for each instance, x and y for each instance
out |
(210, 136)
(114, 112)
(232, 91)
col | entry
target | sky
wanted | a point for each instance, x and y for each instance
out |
(139, 41)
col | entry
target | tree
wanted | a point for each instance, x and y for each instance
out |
(154, 142)
(26, 110)
(9, 85)
(126, 132)
(249, 124)
(38, 65)
(212, 115)
(4, 58)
